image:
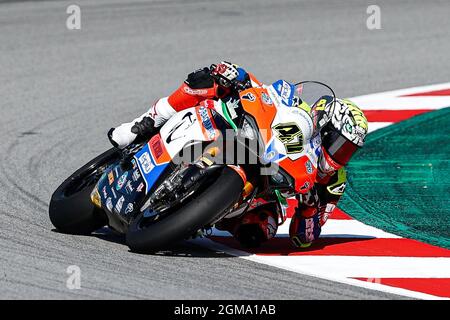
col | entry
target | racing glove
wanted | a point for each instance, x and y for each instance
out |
(230, 75)
(225, 73)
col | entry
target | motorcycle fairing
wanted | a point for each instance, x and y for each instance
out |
(187, 126)
(119, 191)
(264, 114)
(194, 124)
(149, 168)
(290, 141)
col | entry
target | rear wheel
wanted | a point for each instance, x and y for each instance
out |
(200, 210)
(71, 210)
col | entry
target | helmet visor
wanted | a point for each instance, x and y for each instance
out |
(338, 147)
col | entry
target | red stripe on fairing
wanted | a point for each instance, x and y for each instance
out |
(391, 115)
(444, 92)
(337, 214)
(435, 286)
(379, 247)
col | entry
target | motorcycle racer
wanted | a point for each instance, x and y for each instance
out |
(342, 134)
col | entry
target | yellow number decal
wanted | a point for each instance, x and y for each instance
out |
(287, 132)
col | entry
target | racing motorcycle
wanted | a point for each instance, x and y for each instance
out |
(159, 192)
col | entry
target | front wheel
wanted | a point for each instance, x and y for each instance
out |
(71, 210)
(200, 210)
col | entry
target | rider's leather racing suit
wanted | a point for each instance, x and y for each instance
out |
(259, 224)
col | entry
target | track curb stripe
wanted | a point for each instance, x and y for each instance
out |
(367, 257)
(375, 247)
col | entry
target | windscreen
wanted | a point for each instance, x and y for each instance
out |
(316, 98)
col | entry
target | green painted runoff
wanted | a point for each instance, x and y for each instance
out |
(400, 180)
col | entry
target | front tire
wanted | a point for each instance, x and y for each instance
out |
(200, 210)
(71, 209)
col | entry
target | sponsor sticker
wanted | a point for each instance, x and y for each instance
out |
(207, 123)
(129, 208)
(309, 167)
(105, 194)
(266, 99)
(140, 187)
(305, 186)
(121, 181)
(328, 210)
(186, 122)
(129, 187)
(338, 190)
(309, 232)
(114, 193)
(136, 175)
(111, 178)
(268, 157)
(109, 204)
(157, 148)
(119, 204)
(146, 162)
(195, 91)
(285, 92)
(249, 96)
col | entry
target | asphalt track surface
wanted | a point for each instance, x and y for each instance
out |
(61, 90)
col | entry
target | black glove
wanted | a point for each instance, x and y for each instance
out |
(200, 79)
(144, 128)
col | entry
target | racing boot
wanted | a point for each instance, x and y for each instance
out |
(305, 226)
(144, 129)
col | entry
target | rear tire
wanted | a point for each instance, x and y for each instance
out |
(72, 211)
(200, 210)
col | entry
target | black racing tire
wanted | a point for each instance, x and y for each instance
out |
(200, 210)
(71, 209)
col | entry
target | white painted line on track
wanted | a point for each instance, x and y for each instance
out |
(328, 275)
(365, 267)
(401, 103)
(373, 126)
(407, 91)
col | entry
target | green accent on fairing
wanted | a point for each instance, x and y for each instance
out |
(281, 199)
(228, 117)
(400, 180)
(342, 178)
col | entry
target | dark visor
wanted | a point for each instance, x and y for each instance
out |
(338, 147)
